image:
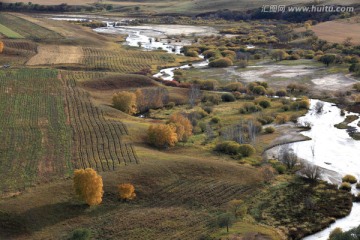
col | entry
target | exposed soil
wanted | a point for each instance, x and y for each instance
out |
(56, 54)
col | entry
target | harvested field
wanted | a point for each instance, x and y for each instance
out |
(338, 31)
(56, 54)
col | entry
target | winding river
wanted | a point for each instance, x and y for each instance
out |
(330, 148)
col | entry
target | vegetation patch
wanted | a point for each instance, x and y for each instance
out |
(300, 206)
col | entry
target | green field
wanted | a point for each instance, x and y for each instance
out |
(26, 28)
(8, 32)
(36, 140)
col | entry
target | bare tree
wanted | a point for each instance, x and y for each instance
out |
(319, 107)
(311, 171)
(194, 94)
(287, 156)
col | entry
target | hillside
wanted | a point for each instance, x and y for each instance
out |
(186, 6)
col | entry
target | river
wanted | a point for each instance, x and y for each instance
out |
(330, 148)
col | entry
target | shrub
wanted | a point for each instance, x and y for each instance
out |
(88, 186)
(281, 93)
(221, 62)
(260, 90)
(213, 98)
(281, 119)
(182, 125)
(126, 191)
(358, 186)
(234, 87)
(269, 130)
(249, 108)
(81, 234)
(162, 135)
(280, 168)
(228, 97)
(356, 86)
(349, 178)
(170, 105)
(246, 150)
(264, 103)
(125, 101)
(335, 232)
(208, 109)
(191, 54)
(228, 147)
(345, 186)
(300, 104)
(215, 120)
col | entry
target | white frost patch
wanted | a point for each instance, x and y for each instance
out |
(333, 82)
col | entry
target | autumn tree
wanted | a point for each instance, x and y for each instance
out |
(162, 135)
(1, 46)
(182, 125)
(278, 55)
(125, 101)
(127, 191)
(237, 207)
(88, 186)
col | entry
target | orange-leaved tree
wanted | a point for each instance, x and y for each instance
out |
(125, 101)
(88, 186)
(127, 191)
(182, 125)
(1, 46)
(162, 135)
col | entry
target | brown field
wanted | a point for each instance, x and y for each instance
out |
(338, 31)
(56, 54)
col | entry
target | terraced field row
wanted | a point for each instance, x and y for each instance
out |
(27, 29)
(98, 142)
(124, 61)
(36, 141)
(19, 47)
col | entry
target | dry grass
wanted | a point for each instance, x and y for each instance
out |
(56, 54)
(338, 31)
(176, 198)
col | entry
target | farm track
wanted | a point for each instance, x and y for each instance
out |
(98, 142)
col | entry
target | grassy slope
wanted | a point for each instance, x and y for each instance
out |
(169, 189)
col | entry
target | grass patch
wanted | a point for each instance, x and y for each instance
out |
(8, 32)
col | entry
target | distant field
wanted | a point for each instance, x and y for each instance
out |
(337, 32)
(8, 32)
(36, 141)
(185, 6)
(26, 28)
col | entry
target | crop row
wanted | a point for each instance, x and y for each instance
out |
(124, 61)
(98, 142)
(36, 141)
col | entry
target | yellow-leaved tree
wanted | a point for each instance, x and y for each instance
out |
(182, 125)
(88, 186)
(127, 191)
(1, 46)
(162, 135)
(125, 101)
